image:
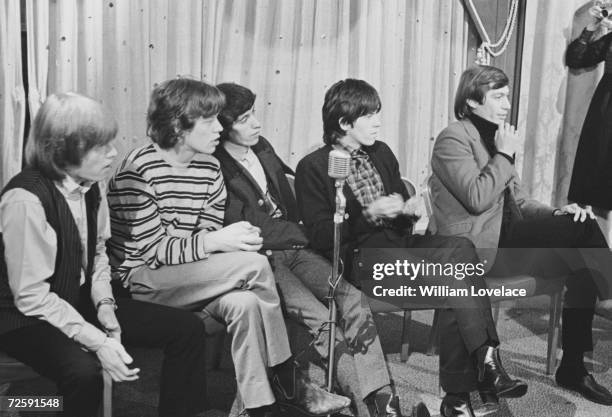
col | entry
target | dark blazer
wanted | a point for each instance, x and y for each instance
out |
(316, 195)
(467, 188)
(245, 199)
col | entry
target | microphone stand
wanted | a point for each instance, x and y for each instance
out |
(335, 278)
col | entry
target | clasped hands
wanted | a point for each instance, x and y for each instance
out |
(392, 205)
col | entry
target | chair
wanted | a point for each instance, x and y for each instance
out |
(552, 287)
(11, 370)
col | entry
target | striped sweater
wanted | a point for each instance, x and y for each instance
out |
(160, 211)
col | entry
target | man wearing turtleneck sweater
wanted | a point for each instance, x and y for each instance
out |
(379, 213)
(477, 194)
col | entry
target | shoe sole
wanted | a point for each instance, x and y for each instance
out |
(577, 391)
(515, 392)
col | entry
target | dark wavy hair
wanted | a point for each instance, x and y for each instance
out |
(238, 100)
(346, 101)
(66, 127)
(474, 84)
(176, 104)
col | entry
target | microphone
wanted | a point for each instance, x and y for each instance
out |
(338, 168)
(339, 164)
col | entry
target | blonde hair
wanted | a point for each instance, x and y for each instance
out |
(66, 127)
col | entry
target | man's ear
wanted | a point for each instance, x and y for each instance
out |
(344, 125)
(472, 103)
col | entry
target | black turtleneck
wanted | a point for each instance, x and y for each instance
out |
(487, 131)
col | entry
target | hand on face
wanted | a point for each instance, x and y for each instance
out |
(599, 20)
(507, 139)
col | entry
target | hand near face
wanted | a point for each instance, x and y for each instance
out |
(579, 213)
(598, 19)
(235, 237)
(387, 207)
(507, 139)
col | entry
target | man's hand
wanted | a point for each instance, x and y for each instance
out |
(235, 237)
(114, 359)
(506, 139)
(580, 213)
(415, 206)
(387, 207)
(108, 320)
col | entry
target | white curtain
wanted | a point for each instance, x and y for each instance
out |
(287, 51)
(12, 96)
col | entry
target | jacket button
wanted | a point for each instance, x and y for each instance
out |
(346, 216)
(260, 202)
(269, 252)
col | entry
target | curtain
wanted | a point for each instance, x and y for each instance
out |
(12, 95)
(287, 51)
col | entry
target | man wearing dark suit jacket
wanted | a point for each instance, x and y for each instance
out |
(477, 194)
(379, 215)
(258, 192)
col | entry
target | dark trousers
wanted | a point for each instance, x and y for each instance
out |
(467, 322)
(78, 373)
(558, 246)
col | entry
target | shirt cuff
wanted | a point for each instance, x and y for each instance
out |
(508, 157)
(90, 336)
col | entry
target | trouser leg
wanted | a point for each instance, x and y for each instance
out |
(354, 319)
(303, 307)
(182, 337)
(577, 250)
(240, 311)
(250, 306)
(77, 373)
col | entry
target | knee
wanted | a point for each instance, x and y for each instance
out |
(84, 376)
(241, 303)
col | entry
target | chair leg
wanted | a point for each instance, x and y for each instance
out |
(407, 321)
(216, 350)
(434, 336)
(554, 325)
(106, 409)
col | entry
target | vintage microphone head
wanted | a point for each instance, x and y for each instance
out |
(339, 164)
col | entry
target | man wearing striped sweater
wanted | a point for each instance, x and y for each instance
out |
(169, 245)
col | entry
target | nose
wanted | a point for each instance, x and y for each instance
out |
(112, 152)
(506, 104)
(376, 120)
(255, 122)
(218, 127)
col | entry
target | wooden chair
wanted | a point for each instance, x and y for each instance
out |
(11, 370)
(552, 287)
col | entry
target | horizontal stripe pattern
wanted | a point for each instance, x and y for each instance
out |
(159, 212)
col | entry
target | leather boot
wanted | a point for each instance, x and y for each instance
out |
(493, 376)
(306, 397)
(454, 405)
